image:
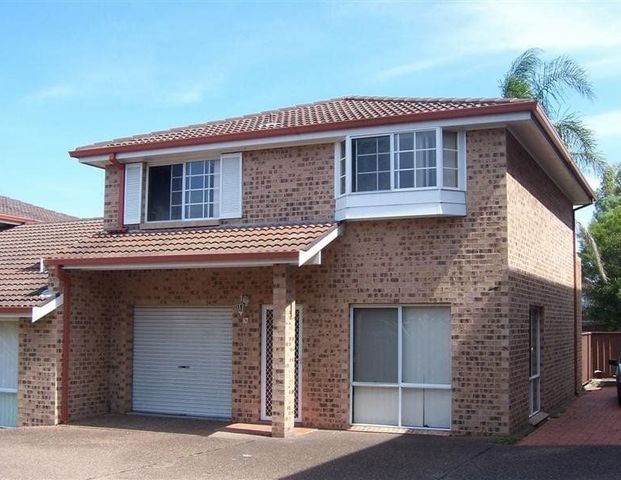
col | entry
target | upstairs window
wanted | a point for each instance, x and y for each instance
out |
(415, 160)
(184, 191)
(371, 164)
(405, 160)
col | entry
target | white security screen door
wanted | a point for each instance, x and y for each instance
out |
(401, 366)
(534, 365)
(183, 361)
(266, 363)
(9, 344)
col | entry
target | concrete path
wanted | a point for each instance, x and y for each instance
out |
(593, 419)
(134, 447)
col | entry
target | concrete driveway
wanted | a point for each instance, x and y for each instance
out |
(134, 447)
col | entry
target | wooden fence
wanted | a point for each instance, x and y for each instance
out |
(597, 349)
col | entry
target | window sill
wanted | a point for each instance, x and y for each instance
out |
(179, 224)
(430, 202)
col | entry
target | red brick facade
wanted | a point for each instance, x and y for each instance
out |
(514, 248)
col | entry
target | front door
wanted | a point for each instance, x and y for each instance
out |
(266, 363)
(9, 341)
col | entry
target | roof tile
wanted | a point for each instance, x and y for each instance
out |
(323, 113)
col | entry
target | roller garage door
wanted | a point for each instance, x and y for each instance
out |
(183, 361)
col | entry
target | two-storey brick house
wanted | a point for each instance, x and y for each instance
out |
(397, 262)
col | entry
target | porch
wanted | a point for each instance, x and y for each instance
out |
(210, 335)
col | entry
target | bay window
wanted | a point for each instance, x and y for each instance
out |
(416, 159)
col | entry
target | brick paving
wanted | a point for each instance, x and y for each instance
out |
(593, 419)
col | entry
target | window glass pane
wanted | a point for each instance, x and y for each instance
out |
(405, 141)
(437, 413)
(383, 162)
(177, 170)
(177, 184)
(196, 196)
(426, 177)
(367, 182)
(425, 159)
(449, 177)
(383, 180)
(375, 345)
(412, 405)
(425, 140)
(342, 184)
(406, 179)
(159, 193)
(449, 140)
(342, 147)
(405, 160)
(197, 182)
(175, 213)
(376, 405)
(194, 211)
(197, 168)
(426, 345)
(383, 144)
(367, 163)
(176, 198)
(449, 158)
(534, 315)
(366, 145)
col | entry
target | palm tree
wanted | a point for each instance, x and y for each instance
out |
(549, 82)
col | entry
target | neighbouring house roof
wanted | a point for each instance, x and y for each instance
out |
(22, 247)
(18, 212)
(343, 112)
(272, 244)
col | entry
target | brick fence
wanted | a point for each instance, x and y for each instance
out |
(597, 349)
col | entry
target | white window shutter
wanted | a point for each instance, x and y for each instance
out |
(231, 185)
(133, 193)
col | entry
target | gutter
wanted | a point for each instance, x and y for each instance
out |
(121, 199)
(64, 389)
(14, 220)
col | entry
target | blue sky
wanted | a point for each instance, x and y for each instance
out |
(74, 73)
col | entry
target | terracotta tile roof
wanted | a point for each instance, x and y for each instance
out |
(20, 250)
(339, 112)
(17, 208)
(201, 242)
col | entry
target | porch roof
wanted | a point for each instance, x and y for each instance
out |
(199, 247)
(22, 280)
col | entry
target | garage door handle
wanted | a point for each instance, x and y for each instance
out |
(183, 366)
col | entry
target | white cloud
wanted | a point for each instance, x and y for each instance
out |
(475, 29)
(606, 124)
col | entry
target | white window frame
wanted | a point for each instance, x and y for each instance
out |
(461, 160)
(264, 309)
(183, 192)
(535, 379)
(400, 384)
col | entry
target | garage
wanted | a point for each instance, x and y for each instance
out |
(183, 361)
(9, 342)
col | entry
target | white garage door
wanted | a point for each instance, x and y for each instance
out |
(183, 361)
(9, 341)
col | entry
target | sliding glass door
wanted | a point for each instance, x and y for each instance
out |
(401, 366)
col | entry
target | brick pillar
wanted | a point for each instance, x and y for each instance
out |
(283, 352)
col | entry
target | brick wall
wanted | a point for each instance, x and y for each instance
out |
(39, 370)
(540, 261)
(111, 197)
(472, 263)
